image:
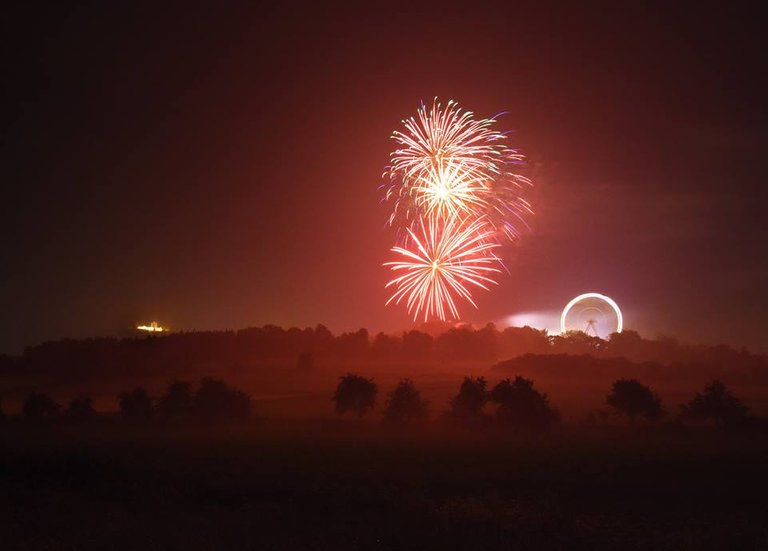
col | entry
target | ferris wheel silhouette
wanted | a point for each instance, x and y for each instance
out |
(591, 314)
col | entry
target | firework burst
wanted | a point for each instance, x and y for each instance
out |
(449, 190)
(454, 197)
(441, 263)
(448, 163)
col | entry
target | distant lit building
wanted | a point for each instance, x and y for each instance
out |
(153, 327)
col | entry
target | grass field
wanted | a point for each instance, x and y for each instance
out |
(358, 485)
(296, 476)
(279, 391)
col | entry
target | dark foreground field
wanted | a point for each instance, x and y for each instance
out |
(334, 485)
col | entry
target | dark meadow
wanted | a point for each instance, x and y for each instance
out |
(296, 438)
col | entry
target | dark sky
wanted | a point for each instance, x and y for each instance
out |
(218, 168)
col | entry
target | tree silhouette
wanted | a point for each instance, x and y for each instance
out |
(576, 342)
(85, 359)
(136, 404)
(386, 347)
(306, 362)
(352, 345)
(633, 398)
(467, 405)
(466, 344)
(356, 394)
(215, 400)
(520, 405)
(80, 409)
(404, 404)
(39, 407)
(717, 403)
(416, 345)
(176, 403)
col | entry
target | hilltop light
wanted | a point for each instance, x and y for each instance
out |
(153, 327)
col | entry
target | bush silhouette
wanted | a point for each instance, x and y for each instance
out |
(215, 400)
(356, 394)
(717, 403)
(404, 404)
(467, 406)
(522, 406)
(136, 404)
(306, 362)
(176, 403)
(80, 409)
(39, 407)
(632, 398)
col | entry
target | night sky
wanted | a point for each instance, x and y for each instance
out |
(219, 169)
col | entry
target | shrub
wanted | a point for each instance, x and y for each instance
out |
(80, 409)
(356, 394)
(306, 362)
(404, 404)
(718, 404)
(632, 398)
(136, 404)
(176, 403)
(215, 400)
(522, 406)
(39, 407)
(467, 406)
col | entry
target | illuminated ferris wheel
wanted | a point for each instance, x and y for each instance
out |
(594, 314)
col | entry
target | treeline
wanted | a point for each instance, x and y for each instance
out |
(181, 352)
(516, 403)
(212, 401)
(585, 366)
(510, 403)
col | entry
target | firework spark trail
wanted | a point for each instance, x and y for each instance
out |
(446, 259)
(448, 190)
(509, 211)
(455, 197)
(447, 135)
(448, 163)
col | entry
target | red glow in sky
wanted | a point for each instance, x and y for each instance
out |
(219, 167)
